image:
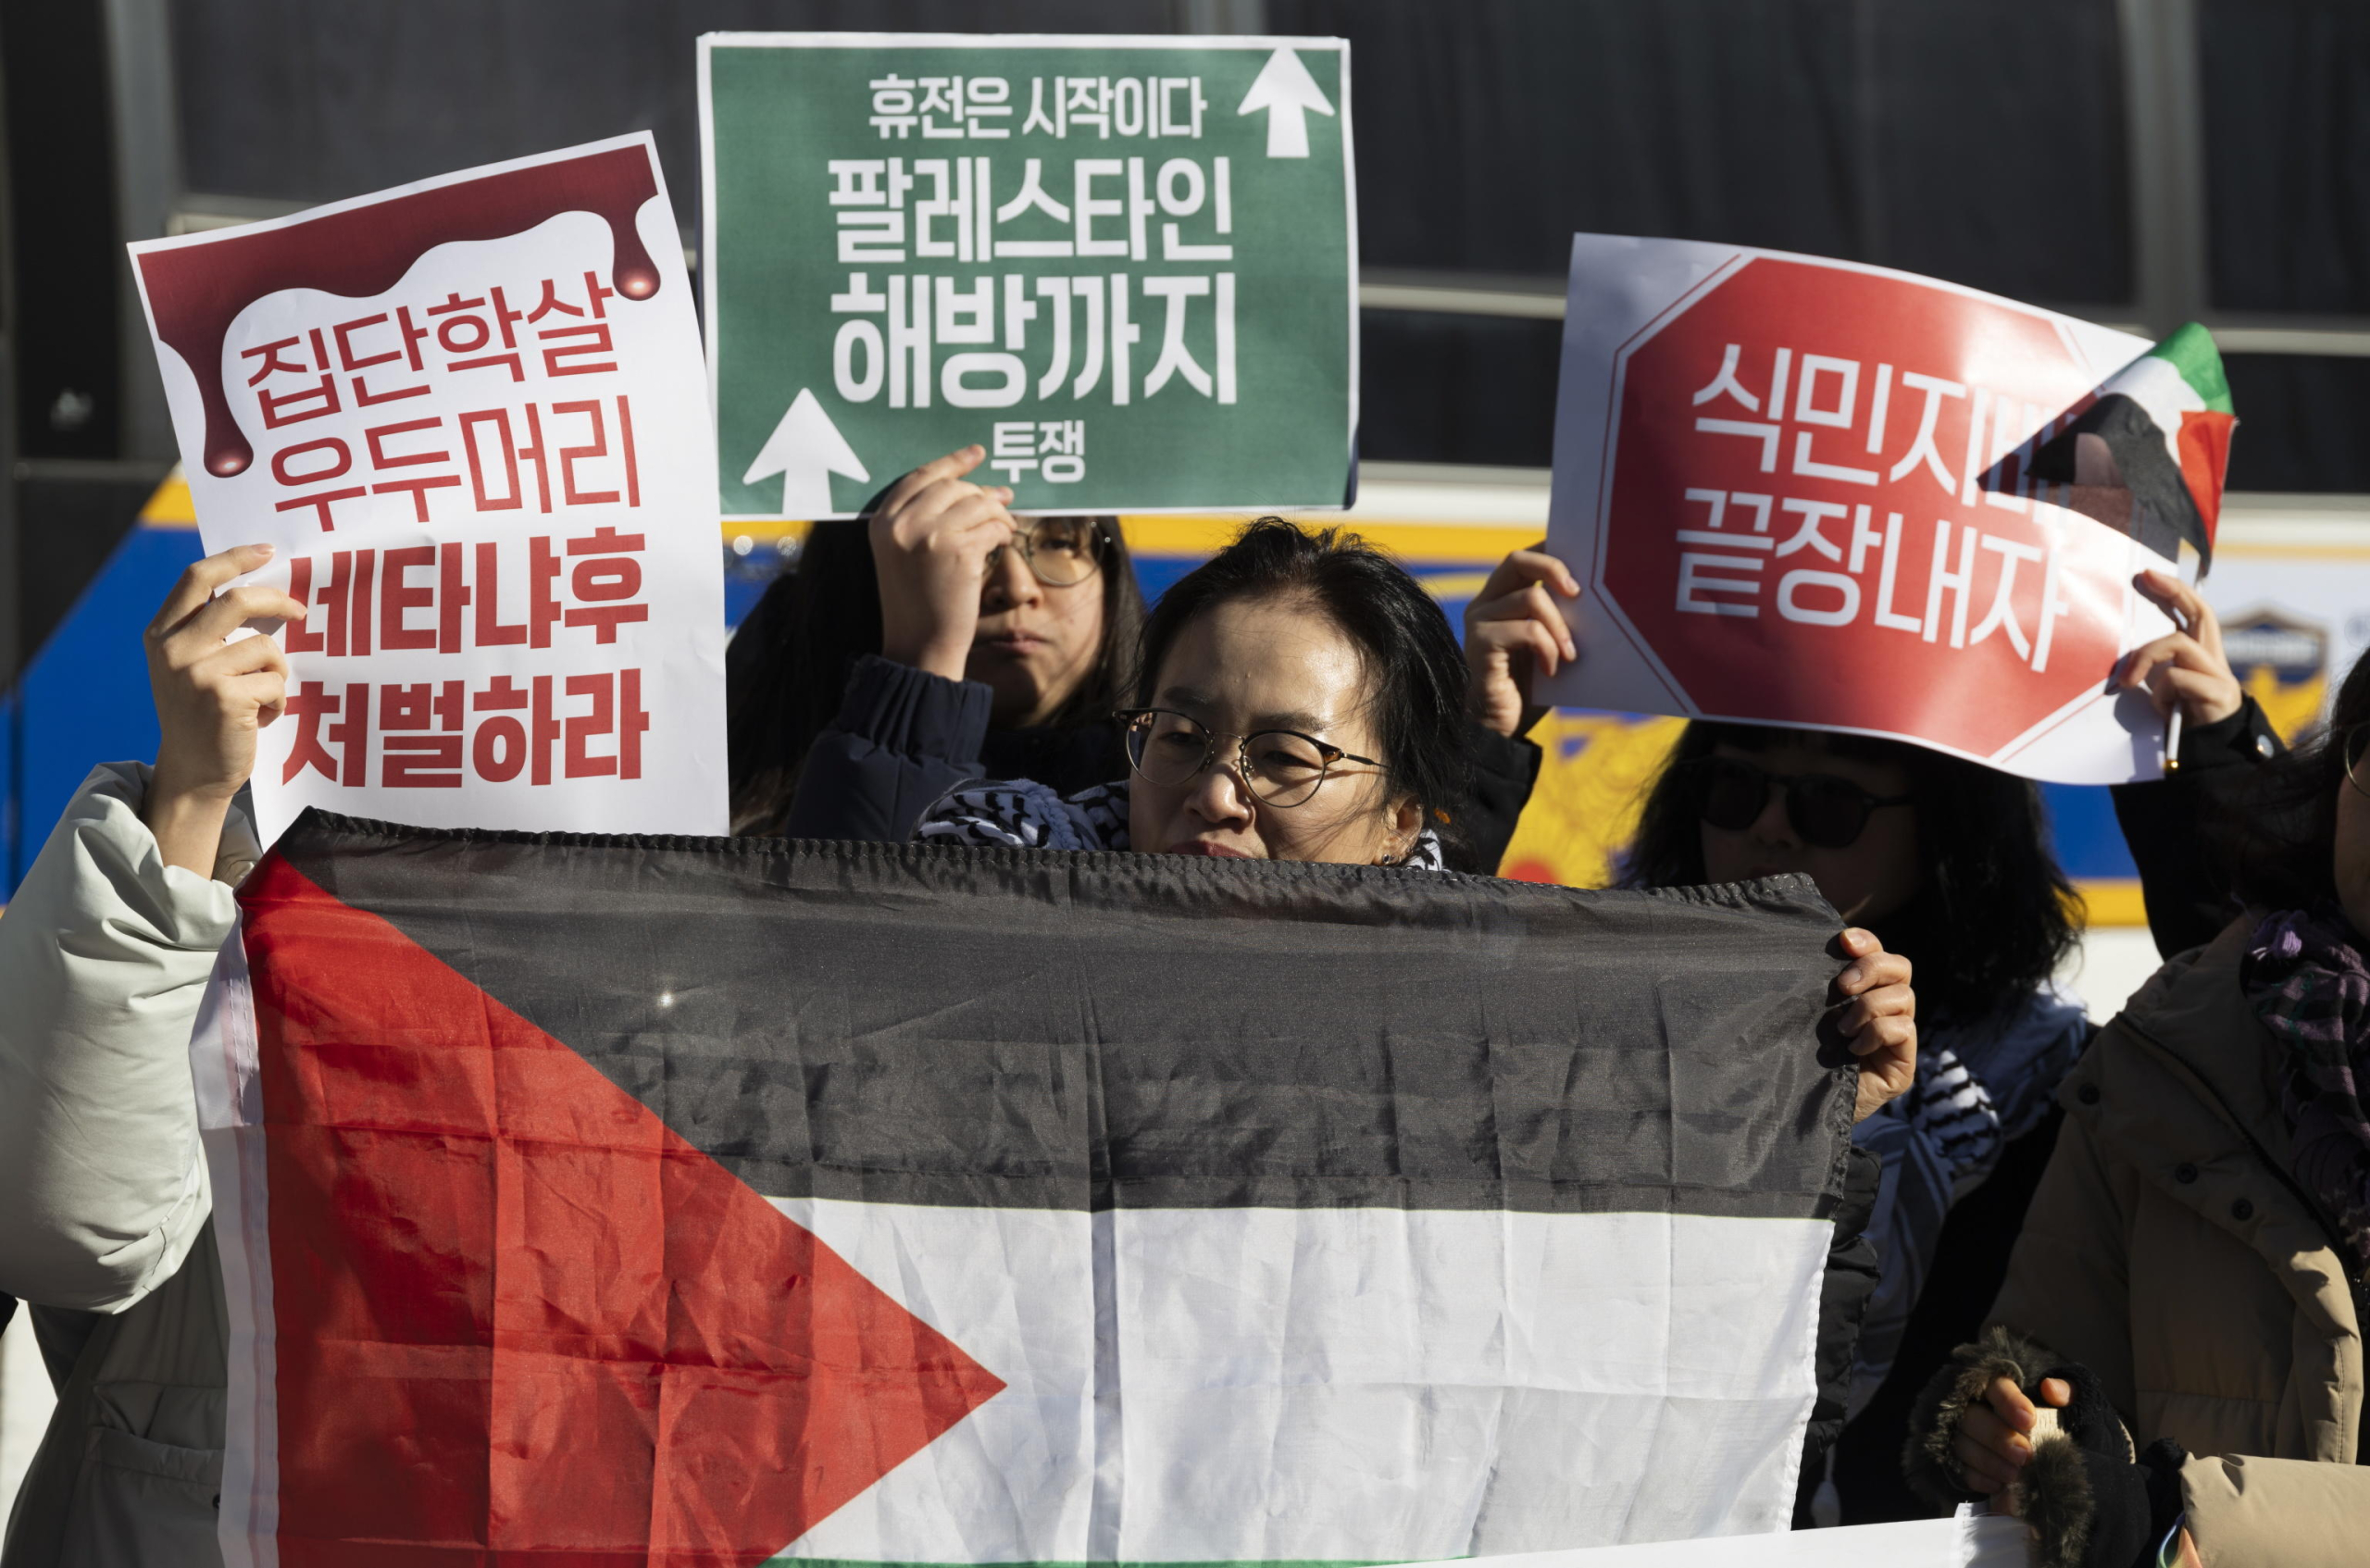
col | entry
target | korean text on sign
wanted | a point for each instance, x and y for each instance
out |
(483, 450)
(920, 244)
(1803, 493)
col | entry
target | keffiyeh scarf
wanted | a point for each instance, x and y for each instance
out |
(1026, 815)
(2305, 974)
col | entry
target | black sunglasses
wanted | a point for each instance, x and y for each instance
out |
(1827, 811)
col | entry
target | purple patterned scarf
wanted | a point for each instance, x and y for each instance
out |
(2308, 981)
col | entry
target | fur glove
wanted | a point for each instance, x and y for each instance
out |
(2089, 1499)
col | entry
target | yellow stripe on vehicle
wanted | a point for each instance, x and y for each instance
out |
(169, 506)
(2112, 900)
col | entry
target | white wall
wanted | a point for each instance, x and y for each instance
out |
(2112, 962)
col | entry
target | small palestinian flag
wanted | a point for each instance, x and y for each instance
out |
(615, 1203)
(2158, 431)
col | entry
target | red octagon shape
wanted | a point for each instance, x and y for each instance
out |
(1785, 651)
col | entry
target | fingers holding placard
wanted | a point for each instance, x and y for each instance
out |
(214, 689)
(931, 537)
(2185, 668)
(1516, 629)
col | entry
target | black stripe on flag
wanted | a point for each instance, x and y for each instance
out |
(2162, 511)
(1000, 1027)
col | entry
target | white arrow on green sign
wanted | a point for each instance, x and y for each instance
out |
(1287, 91)
(806, 449)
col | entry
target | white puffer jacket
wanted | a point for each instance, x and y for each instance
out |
(105, 955)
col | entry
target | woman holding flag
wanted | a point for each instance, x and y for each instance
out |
(1301, 697)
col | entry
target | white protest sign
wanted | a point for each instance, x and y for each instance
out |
(1802, 492)
(471, 415)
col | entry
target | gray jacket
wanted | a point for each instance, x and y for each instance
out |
(105, 955)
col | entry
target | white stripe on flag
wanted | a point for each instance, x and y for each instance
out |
(2157, 385)
(1339, 1384)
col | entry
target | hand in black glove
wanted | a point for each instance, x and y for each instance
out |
(2091, 1501)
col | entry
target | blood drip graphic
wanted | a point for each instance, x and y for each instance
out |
(195, 292)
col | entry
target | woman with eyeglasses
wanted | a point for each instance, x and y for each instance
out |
(944, 639)
(913, 648)
(2192, 1286)
(1301, 697)
(1949, 861)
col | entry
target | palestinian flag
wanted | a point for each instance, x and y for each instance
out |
(608, 1201)
(2159, 433)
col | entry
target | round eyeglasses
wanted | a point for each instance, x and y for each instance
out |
(1061, 552)
(2355, 743)
(1827, 811)
(1281, 767)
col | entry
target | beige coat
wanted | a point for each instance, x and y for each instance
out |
(2168, 1249)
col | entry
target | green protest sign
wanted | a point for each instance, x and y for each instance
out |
(1126, 266)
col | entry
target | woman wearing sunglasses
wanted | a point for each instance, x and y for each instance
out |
(2193, 1280)
(1950, 863)
(943, 640)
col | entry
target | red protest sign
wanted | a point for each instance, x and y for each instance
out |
(1800, 493)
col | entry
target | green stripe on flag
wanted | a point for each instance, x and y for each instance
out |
(2190, 351)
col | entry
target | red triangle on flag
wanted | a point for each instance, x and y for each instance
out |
(2203, 443)
(517, 1318)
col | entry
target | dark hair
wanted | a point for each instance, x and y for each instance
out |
(1412, 655)
(2287, 834)
(1993, 915)
(788, 665)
